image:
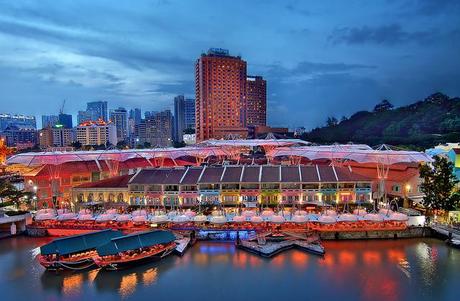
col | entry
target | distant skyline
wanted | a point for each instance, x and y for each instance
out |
(319, 59)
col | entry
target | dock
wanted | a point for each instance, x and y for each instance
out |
(267, 246)
(183, 242)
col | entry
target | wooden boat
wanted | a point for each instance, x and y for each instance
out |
(131, 250)
(74, 252)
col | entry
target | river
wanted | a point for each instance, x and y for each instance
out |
(411, 269)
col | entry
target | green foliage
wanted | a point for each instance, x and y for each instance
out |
(438, 184)
(422, 124)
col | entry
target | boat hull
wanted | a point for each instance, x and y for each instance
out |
(83, 264)
(125, 264)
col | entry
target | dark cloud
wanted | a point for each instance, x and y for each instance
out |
(386, 34)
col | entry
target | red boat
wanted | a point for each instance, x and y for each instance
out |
(130, 250)
(74, 252)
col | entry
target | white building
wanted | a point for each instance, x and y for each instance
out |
(97, 133)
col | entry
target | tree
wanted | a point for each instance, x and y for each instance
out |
(76, 145)
(438, 185)
(331, 121)
(383, 106)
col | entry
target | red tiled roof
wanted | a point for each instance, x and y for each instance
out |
(114, 182)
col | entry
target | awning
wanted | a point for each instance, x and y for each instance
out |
(79, 243)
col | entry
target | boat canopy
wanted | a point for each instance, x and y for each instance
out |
(79, 243)
(135, 241)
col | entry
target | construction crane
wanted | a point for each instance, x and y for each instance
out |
(61, 110)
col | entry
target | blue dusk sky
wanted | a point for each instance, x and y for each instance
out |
(320, 58)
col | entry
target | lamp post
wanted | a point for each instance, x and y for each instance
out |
(407, 188)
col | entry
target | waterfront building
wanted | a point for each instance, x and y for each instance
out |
(220, 88)
(21, 137)
(97, 133)
(65, 120)
(233, 184)
(24, 121)
(184, 116)
(49, 120)
(98, 110)
(119, 117)
(156, 129)
(256, 101)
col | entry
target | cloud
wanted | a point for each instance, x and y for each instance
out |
(383, 35)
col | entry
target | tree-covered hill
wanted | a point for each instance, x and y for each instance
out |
(421, 124)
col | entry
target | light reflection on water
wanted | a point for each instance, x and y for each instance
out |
(353, 270)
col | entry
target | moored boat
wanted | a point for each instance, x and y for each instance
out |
(130, 250)
(74, 252)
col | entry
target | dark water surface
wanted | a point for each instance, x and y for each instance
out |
(413, 269)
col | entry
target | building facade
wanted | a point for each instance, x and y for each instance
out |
(97, 133)
(231, 185)
(20, 137)
(98, 110)
(62, 136)
(119, 117)
(65, 120)
(220, 88)
(156, 130)
(49, 120)
(256, 101)
(84, 116)
(17, 120)
(184, 116)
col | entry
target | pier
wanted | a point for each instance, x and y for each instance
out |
(13, 225)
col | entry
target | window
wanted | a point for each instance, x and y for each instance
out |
(396, 188)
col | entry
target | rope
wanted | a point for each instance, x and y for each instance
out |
(76, 269)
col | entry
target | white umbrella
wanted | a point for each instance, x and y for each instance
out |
(277, 219)
(256, 219)
(326, 219)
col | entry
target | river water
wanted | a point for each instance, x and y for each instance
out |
(412, 269)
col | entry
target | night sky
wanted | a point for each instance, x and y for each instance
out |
(332, 58)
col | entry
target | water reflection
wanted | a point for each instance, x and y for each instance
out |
(353, 270)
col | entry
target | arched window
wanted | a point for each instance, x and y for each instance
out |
(120, 197)
(101, 197)
(90, 197)
(80, 197)
(111, 197)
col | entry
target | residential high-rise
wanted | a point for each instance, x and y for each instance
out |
(220, 88)
(119, 117)
(63, 136)
(49, 120)
(65, 120)
(56, 137)
(97, 133)
(45, 137)
(256, 101)
(98, 110)
(17, 120)
(155, 130)
(184, 116)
